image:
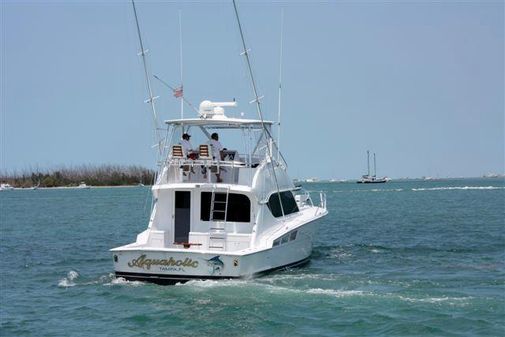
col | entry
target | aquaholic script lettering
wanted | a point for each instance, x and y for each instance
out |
(145, 263)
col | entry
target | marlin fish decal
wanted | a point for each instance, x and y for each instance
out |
(216, 264)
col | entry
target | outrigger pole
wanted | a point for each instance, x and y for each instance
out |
(180, 58)
(151, 98)
(258, 106)
(280, 89)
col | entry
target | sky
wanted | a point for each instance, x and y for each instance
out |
(421, 84)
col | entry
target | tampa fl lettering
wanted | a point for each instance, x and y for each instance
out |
(144, 263)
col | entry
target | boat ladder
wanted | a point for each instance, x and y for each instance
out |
(218, 210)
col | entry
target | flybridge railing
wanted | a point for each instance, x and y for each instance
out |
(186, 170)
(238, 160)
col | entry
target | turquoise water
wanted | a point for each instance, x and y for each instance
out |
(413, 258)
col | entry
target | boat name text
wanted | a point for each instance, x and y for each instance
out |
(145, 263)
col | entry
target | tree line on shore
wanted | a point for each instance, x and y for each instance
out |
(103, 175)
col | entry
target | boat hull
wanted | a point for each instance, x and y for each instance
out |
(178, 266)
(372, 181)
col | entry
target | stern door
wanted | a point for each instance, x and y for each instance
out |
(182, 216)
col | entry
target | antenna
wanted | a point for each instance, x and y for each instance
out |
(280, 89)
(180, 58)
(258, 105)
(151, 98)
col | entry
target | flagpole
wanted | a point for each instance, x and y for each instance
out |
(174, 90)
(180, 58)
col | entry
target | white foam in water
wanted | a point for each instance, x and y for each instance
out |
(371, 190)
(69, 280)
(458, 188)
(203, 301)
(335, 293)
(296, 277)
(212, 283)
(433, 300)
(123, 281)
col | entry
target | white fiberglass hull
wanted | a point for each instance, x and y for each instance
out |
(169, 266)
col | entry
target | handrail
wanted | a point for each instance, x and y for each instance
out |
(322, 199)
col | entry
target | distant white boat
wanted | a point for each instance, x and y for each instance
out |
(6, 187)
(83, 185)
(372, 179)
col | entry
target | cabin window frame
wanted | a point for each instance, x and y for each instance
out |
(289, 204)
(286, 238)
(232, 215)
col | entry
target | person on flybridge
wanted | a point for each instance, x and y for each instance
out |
(188, 151)
(187, 148)
(216, 146)
(217, 151)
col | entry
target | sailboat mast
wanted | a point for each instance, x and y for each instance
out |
(374, 166)
(368, 162)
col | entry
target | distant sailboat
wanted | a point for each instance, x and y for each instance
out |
(371, 179)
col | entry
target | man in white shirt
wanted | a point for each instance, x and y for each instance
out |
(187, 148)
(216, 146)
(217, 149)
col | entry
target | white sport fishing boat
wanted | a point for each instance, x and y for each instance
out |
(221, 213)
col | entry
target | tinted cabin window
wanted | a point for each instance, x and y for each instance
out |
(238, 210)
(288, 203)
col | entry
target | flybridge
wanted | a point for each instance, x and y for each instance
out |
(202, 159)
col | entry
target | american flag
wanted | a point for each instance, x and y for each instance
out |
(178, 92)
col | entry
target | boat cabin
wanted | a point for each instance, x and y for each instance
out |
(212, 196)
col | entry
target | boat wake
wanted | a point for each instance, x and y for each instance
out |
(442, 188)
(463, 188)
(344, 251)
(123, 282)
(258, 286)
(73, 279)
(278, 284)
(69, 280)
(370, 190)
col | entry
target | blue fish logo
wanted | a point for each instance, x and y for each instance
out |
(216, 264)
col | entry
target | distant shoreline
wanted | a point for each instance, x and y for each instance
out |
(87, 176)
(75, 187)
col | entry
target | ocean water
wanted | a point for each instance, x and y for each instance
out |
(410, 258)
